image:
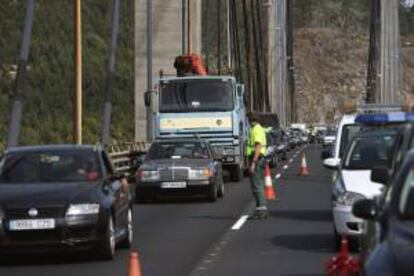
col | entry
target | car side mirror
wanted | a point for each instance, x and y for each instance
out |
(326, 154)
(365, 209)
(147, 98)
(332, 163)
(380, 175)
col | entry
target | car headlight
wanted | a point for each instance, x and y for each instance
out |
(201, 173)
(149, 175)
(82, 209)
(349, 198)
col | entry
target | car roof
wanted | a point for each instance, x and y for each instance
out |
(62, 147)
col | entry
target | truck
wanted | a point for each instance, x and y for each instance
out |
(209, 107)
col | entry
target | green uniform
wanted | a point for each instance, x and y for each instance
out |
(257, 135)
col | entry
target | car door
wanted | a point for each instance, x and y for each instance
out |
(116, 190)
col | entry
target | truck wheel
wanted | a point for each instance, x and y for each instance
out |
(236, 173)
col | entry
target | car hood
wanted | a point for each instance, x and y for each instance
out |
(166, 163)
(48, 193)
(359, 181)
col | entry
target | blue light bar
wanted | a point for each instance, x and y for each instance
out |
(383, 118)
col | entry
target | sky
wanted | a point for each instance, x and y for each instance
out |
(410, 2)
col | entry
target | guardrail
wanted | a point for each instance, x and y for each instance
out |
(126, 157)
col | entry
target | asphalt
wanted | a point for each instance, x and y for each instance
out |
(190, 236)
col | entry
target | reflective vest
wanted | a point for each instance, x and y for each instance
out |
(257, 135)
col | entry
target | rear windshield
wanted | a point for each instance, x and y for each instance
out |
(49, 166)
(364, 153)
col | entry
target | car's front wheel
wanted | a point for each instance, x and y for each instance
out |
(107, 247)
(212, 193)
(127, 241)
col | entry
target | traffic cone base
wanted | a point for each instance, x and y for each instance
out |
(269, 191)
(134, 267)
(303, 171)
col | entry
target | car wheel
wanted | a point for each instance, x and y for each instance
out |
(142, 196)
(220, 190)
(338, 240)
(127, 241)
(236, 173)
(107, 248)
(212, 193)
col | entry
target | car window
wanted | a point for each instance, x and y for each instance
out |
(367, 152)
(178, 150)
(348, 133)
(406, 203)
(49, 166)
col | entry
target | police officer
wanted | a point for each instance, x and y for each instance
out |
(256, 149)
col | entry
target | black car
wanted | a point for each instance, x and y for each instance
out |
(391, 246)
(183, 166)
(63, 197)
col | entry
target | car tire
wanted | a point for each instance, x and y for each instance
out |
(127, 241)
(142, 196)
(236, 173)
(108, 245)
(220, 190)
(212, 193)
(338, 240)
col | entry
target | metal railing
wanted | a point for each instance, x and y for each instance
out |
(127, 157)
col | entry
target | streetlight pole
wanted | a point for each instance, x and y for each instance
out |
(77, 35)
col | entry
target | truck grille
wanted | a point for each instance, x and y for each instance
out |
(173, 174)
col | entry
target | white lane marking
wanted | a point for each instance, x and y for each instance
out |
(240, 222)
(278, 176)
(285, 167)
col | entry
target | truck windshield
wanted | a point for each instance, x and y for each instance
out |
(196, 96)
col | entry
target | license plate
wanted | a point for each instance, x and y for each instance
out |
(31, 224)
(173, 185)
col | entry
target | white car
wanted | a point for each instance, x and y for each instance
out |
(368, 150)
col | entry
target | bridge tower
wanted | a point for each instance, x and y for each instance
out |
(167, 44)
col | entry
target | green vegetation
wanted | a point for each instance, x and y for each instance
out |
(47, 113)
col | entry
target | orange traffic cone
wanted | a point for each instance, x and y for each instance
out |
(134, 267)
(303, 167)
(269, 192)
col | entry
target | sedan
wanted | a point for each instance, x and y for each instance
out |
(63, 197)
(186, 166)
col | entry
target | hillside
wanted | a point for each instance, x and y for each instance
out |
(331, 54)
(47, 113)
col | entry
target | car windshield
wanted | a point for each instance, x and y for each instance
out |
(196, 96)
(177, 150)
(49, 166)
(348, 132)
(366, 152)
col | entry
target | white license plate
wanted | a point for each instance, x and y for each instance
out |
(173, 185)
(31, 224)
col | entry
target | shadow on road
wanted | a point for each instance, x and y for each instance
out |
(38, 259)
(321, 243)
(308, 215)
